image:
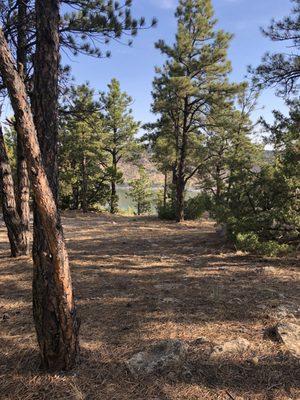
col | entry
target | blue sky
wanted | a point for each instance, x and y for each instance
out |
(134, 66)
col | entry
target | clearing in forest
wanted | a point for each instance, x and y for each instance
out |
(138, 281)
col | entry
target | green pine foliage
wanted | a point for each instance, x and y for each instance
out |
(82, 162)
(190, 88)
(282, 69)
(140, 193)
(118, 134)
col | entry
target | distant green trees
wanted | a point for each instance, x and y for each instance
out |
(118, 135)
(140, 192)
(204, 134)
(81, 159)
(95, 135)
(190, 89)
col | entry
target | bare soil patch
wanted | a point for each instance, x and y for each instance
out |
(138, 281)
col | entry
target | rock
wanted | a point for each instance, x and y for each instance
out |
(167, 286)
(222, 230)
(289, 334)
(170, 300)
(165, 356)
(5, 317)
(255, 360)
(286, 311)
(234, 346)
(200, 341)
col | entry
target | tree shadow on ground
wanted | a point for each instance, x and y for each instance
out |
(131, 294)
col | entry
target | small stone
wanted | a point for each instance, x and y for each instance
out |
(167, 355)
(5, 317)
(200, 340)
(255, 360)
(234, 346)
(289, 334)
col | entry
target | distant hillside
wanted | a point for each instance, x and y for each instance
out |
(130, 170)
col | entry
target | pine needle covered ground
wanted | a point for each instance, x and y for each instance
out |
(138, 281)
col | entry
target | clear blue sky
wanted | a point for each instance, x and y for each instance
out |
(134, 66)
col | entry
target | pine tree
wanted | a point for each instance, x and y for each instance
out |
(53, 304)
(82, 162)
(53, 301)
(16, 234)
(191, 85)
(141, 192)
(282, 69)
(118, 135)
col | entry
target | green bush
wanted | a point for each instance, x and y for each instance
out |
(193, 208)
(166, 212)
(250, 242)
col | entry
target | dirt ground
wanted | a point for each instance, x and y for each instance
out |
(138, 281)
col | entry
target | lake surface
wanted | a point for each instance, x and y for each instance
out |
(126, 205)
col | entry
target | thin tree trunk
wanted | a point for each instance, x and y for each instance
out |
(180, 199)
(53, 300)
(165, 188)
(23, 192)
(180, 183)
(15, 232)
(75, 197)
(84, 188)
(113, 195)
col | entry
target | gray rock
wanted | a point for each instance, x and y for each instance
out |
(289, 334)
(239, 345)
(165, 356)
(286, 310)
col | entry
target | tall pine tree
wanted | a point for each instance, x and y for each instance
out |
(192, 84)
(118, 136)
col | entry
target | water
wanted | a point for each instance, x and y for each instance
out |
(126, 205)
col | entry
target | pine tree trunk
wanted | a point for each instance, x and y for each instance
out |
(180, 199)
(16, 234)
(23, 192)
(84, 188)
(113, 195)
(75, 197)
(53, 301)
(180, 181)
(165, 189)
(55, 318)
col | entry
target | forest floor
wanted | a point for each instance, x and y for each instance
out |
(138, 281)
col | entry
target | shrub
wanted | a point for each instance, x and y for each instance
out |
(193, 208)
(166, 212)
(250, 242)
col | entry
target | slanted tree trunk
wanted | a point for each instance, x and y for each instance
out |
(16, 235)
(53, 301)
(22, 184)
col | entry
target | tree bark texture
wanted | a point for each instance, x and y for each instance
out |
(16, 233)
(53, 301)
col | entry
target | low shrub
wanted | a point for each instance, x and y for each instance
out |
(250, 242)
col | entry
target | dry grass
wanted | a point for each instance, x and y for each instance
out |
(138, 281)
